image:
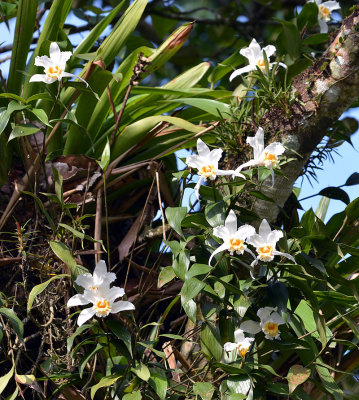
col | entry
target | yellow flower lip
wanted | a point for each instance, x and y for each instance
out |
(102, 308)
(265, 253)
(236, 244)
(261, 63)
(54, 72)
(242, 351)
(208, 171)
(324, 12)
(270, 159)
(271, 329)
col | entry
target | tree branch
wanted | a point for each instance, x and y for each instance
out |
(326, 89)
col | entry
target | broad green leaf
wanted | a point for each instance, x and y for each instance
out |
(132, 396)
(104, 382)
(43, 210)
(290, 39)
(190, 308)
(352, 180)
(41, 115)
(180, 264)
(203, 389)
(105, 158)
(4, 380)
(197, 269)
(121, 333)
(213, 107)
(226, 66)
(308, 16)
(25, 379)
(23, 34)
(210, 341)
(158, 382)
(22, 130)
(133, 133)
(175, 216)
(88, 358)
(4, 119)
(191, 288)
(79, 330)
(329, 383)
(239, 384)
(15, 322)
(322, 209)
(335, 193)
(142, 371)
(166, 275)
(297, 375)
(215, 213)
(260, 195)
(352, 209)
(36, 290)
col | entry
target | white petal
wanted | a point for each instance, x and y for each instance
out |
(121, 306)
(68, 75)
(202, 148)
(223, 247)
(264, 313)
(43, 61)
(276, 318)
(323, 25)
(64, 57)
(55, 53)
(245, 231)
(114, 293)
(42, 78)
(78, 300)
(229, 346)
(253, 52)
(85, 280)
(231, 222)
(221, 232)
(241, 71)
(85, 315)
(256, 240)
(250, 327)
(100, 271)
(274, 236)
(257, 142)
(279, 253)
(331, 5)
(215, 155)
(226, 172)
(275, 148)
(196, 188)
(239, 335)
(246, 164)
(195, 161)
(269, 50)
(264, 229)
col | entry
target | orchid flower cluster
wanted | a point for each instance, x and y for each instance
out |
(325, 12)
(234, 240)
(206, 162)
(100, 294)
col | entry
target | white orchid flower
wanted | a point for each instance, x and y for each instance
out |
(232, 237)
(54, 66)
(263, 156)
(269, 323)
(255, 56)
(324, 13)
(98, 292)
(265, 243)
(242, 343)
(99, 278)
(206, 162)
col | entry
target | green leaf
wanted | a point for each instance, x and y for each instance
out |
(132, 396)
(105, 158)
(22, 130)
(213, 107)
(104, 382)
(210, 341)
(315, 39)
(190, 308)
(175, 216)
(260, 195)
(142, 371)
(4, 119)
(191, 288)
(308, 16)
(335, 193)
(203, 389)
(79, 330)
(322, 208)
(215, 213)
(352, 180)
(43, 210)
(88, 357)
(197, 269)
(121, 333)
(297, 375)
(4, 380)
(15, 322)
(329, 382)
(25, 379)
(36, 290)
(165, 276)
(239, 384)
(63, 253)
(158, 382)
(352, 209)
(41, 115)
(289, 38)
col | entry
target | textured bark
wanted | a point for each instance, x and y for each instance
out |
(326, 90)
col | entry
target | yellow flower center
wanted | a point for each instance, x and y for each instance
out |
(54, 72)
(265, 253)
(102, 308)
(236, 245)
(271, 329)
(93, 288)
(208, 171)
(270, 159)
(261, 63)
(242, 351)
(324, 13)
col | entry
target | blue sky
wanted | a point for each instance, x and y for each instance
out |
(332, 173)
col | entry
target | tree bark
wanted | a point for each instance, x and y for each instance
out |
(326, 89)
